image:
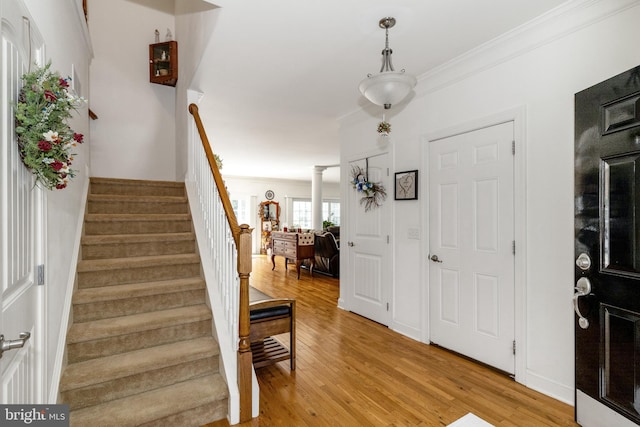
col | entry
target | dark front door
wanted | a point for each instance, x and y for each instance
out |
(607, 252)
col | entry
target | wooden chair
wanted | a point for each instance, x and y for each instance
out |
(268, 317)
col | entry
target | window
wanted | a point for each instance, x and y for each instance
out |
(241, 209)
(331, 211)
(302, 212)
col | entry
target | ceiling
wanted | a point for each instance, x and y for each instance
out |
(277, 75)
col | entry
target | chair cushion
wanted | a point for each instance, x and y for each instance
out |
(267, 313)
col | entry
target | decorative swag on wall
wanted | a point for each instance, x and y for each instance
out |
(44, 138)
(373, 194)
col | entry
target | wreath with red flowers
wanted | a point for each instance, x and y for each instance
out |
(44, 138)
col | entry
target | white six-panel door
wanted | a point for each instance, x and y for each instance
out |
(21, 376)
(471, 266)
(369, 248)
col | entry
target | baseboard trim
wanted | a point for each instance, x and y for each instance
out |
(561, 392)
(406, 330)
(56, 373)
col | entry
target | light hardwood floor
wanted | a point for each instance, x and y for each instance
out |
(351, 371)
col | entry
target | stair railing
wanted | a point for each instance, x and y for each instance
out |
(229, 250)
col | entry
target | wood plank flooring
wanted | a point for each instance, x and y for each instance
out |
(351, 371)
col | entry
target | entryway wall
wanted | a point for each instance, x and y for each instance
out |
(537, 69)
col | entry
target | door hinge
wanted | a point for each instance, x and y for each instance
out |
(514, 347)
(387, 239)
(40, 274)
(513, 148)
(387, 171)
(513, 247)
(387, 306)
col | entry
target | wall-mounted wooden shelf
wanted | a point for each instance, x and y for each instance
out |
(163, 63)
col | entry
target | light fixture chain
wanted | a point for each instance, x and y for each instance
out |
(386, 38)
(387, 65)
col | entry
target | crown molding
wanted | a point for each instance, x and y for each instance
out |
(84, 29)
(557, 23)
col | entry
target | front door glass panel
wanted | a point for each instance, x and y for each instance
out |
(620, 361)
(621, 234)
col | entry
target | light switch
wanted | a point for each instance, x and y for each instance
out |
(413, 233)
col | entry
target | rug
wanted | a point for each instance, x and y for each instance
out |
(470, 420)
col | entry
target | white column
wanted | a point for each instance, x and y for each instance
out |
(316, 197)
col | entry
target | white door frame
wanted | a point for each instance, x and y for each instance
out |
(517, 116)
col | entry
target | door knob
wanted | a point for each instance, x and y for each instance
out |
(583, 261)
(11, 344)
(435, 258)
(583, 288)
(350, 244)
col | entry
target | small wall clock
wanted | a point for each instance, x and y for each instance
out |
(269, 195)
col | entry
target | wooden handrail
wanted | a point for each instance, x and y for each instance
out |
(224, 196)
(242, 238)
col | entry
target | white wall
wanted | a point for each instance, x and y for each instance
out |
(62, 28)
(134, 136)
(195, 21)
(538, 69)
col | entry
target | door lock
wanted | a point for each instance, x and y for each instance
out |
(583, 261)
(12, 344)
(583, 288)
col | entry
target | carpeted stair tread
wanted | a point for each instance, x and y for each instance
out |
(135, 262)
(136, 198)
(138, 238)
(135, 186)
(89, 372)
(105, 328)
(107, 217)
(136, 182)
(154, 405)
(140, 223)
(136, 204)
(109, 246)
(133, 290)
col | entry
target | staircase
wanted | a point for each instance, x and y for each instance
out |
(140, 350)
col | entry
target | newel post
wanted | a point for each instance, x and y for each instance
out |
(245, 358)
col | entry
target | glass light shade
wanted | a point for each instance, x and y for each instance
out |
(388, 87)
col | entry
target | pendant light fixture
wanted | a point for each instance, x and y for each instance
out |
(388, 87)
